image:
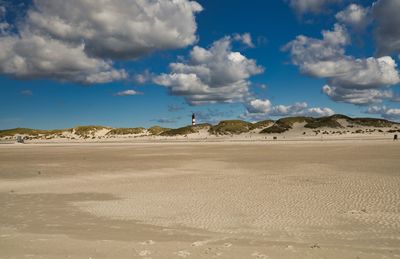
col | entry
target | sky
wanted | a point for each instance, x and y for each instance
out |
(131, 63)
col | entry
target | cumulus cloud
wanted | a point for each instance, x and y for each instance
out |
(310, 6)
(259, 106)
(387, 33)
(34, 56)
(77, 40)
(258, 109)
(388, 113)
(214, 75)
(357, 96)
(359, 81)
(122, 29)
(127, 93)
(245, 38)
(355, 16)
(143, 78)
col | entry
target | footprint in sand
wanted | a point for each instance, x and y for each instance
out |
(259, 255)
(199, 243)
(227, 245)
(183, 253)
(145, 253)
(212, 251)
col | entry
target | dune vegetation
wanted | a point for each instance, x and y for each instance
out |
(157, 130)
(284, 124)
(372, 122)
(186, 130)
(227, 127)
(324, 122)
(31, 132)
(84, 131)
(231, 127)
(126, 131)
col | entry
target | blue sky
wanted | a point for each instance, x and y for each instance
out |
(120, 76)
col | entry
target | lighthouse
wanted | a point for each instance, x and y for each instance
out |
(193, 119)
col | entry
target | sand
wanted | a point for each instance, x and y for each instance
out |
(298, 199)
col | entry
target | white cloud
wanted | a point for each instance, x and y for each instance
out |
(387, 33)
(33, 56)
(352, 80)
(245, 38)
(122, 29)
(214, 75)
(388, 113)
(4, 26)
(259, 106)
(357, 96)
(355, 15)
(311, 6)
(258, 109)
(76, 40)
(143, 77)
(319, 112)
(127, 93)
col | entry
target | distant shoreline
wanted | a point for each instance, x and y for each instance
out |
(202, 141)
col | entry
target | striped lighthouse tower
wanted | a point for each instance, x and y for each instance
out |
(193, 119)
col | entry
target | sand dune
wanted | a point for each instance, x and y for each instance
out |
(291, 128)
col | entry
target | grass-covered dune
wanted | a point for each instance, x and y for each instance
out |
(334, 122)
(30, 132)
(226, 127)
(324, 122)
(285, 124)
(372, 122)
(84, 131)
(126, 131)
(157, 130)
(186, 130)
(231, 127)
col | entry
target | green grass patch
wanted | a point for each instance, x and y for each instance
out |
(180, 131)
(276, 128)
(31, 132)
(126, 131)
(84, 131)
(157, 130)
(231, 127)
(372, 122)
(324, 122)
(186, 130)
(21, 131)
(285, 124)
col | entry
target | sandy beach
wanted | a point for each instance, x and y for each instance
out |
(299, 199)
